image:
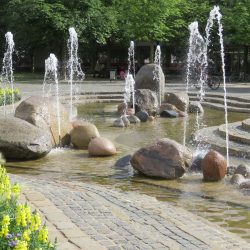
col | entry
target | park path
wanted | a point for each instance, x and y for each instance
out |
(92, 217)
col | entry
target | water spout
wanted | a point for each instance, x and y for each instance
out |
(129, 78)
(196, 64)
(7, 70)
(216, 15)
(50, 81)
(75, 73)
(156, 72)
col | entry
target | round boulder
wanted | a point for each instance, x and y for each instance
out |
(42, 113)
(145, 78)
(101, 146)
(118, 123)
(82, 133)
(20, 140)
(180, 100)
(214, 166)
(165, 158)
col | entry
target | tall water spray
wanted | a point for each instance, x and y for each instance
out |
(156, 72)
(196, 64)
(216, 15)
(75, 73)
(129, 79)
(7, 70)
(51, 86)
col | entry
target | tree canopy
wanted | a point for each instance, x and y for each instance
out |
(39, 23)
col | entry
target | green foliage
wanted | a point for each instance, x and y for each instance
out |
(6, 96)
(40, 23)
(19, 228)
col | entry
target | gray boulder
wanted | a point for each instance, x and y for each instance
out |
(42, 113)
(179, 100)
(20, 140)
(165, 158)
(145, 79)
(195, 107)
(146, 99)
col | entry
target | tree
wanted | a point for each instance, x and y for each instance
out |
(41, 23)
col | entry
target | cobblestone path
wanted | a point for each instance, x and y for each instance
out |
(125, 220)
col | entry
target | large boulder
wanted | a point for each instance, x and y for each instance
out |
(165, 158)
(101, 146)
(82, 133)
(42, 113)
(180, 100)
(146, 99)
(214, 166)
(20, 140)
(145, 78)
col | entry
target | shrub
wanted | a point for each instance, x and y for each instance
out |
(7, 94)
(19, 228)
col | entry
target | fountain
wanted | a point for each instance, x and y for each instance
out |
(7, 70)
(196, 61)
(216, 15)
(129, 79)
(75, 73)
(188, 191)
(157, 62)
(50, 81)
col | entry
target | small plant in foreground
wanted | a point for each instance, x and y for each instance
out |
(19, 228)
(6, 93)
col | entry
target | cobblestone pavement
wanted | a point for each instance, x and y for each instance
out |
(92, 217)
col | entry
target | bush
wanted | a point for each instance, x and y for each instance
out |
(7, 92)
(19, 228)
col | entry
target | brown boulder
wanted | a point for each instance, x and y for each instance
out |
(165, 158)
(101, 146)
(41, 112)
(180, 100)
(214, 166)
(82, 133)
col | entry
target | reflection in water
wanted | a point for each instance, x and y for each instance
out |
(219, 202)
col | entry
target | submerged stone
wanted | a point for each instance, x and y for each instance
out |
(169, 113)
